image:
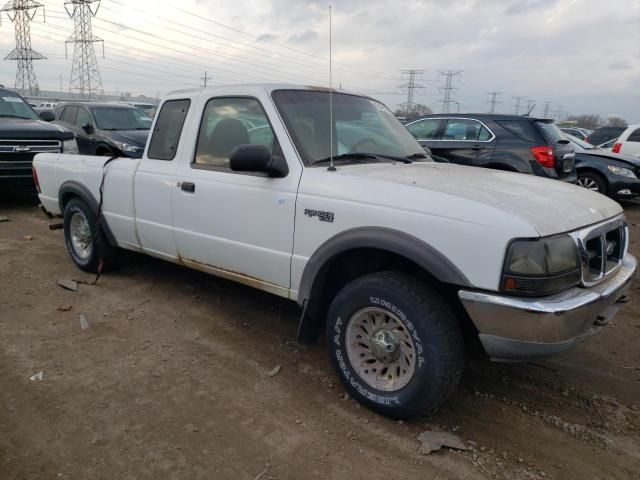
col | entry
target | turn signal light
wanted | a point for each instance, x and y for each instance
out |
(543, 155)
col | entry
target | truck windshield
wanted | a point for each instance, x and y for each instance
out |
(360, 126)
(110, 118)
(11, 105)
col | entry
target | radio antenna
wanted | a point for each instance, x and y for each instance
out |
(331, 167)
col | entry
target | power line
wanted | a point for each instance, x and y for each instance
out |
(494, 101)
(516, 108)
(21, 13)
(85, 75)
(448, 89)
(410, 87)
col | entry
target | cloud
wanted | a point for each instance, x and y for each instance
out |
(519, 7)
(303, 37)
(267, 37)
(620, 65)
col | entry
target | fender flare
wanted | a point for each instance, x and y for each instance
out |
(393, 241)
(78, 190)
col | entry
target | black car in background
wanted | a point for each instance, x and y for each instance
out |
(105, 128)
(612, 174)
(604, 134)
(22, 136)
(504, 142)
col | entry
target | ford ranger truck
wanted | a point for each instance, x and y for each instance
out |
(390, 255)
(22, 135)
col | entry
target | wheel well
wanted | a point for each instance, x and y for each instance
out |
(591, 170)
(347, 266)
(66, 198)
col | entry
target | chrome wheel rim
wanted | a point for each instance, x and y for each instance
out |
(588, 183)
(380, 349)
(80, 234)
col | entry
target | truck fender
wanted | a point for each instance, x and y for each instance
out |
(381, 238)
(75, 189)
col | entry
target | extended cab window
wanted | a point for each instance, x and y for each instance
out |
(424, 129)
(463, 129)
(635, 136)
(168, 128)
(228, 123)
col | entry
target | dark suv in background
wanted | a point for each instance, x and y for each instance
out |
(504, 142)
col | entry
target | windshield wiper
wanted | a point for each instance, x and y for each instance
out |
(348, 156)
(416, 156)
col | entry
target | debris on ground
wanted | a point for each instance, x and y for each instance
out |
(4, 219)
(84, 323)
(37, 376)
(65, 308)
(261, 474)
(28, 238)
(68, 284)
(275, 371)
(432, 441)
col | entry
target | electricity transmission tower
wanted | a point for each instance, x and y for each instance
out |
(85, 75)
(411, 86)
(547, 109)
(21, 13)
(494, 101)
(531, 104)
(448, 89)
(516, 109)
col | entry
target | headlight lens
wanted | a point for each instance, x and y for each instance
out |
(625, 172)
(541, 267)
(70, 146)
(127, 147)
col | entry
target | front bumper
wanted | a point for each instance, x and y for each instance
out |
(516, 328)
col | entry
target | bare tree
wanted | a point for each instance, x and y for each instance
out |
(616, 121)
(590, 121)
(417, 110)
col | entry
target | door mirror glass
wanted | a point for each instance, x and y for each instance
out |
(47, 116)
(257, 158)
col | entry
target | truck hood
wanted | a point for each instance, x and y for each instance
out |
(16, 128)
(549, 206)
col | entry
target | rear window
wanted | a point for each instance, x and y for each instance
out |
(520, 128)
(550, 131)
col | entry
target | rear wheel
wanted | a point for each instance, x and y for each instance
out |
(86, 243)
(395, 344)
(592, 181)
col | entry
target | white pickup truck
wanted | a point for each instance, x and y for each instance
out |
(390, 255)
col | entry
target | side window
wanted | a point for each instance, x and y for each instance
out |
(83, 118)
(635, 136)
(520, 128)
(69, 115)
(464, 129)
(227, 123)
(168, 128)
(424, 129)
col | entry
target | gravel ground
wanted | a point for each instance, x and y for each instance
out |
(171, 381)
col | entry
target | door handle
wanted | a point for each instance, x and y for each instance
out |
(476, 147)
(188, 187)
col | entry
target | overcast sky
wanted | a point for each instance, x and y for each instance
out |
(583, 55)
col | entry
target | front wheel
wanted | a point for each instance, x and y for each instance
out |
(395, 344)
(592, 181)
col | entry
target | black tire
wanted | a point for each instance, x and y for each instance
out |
(100, 248)
(597, 179)
(434, 331)
(104, 151)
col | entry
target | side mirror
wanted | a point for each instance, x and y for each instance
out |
(47, 116)
(257, 158)
(87, 127)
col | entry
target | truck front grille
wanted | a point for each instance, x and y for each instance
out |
(16, 156)
(602, 248)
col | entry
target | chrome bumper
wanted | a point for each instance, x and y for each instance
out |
(517, 328)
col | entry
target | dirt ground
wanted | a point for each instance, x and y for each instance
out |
(170, 381)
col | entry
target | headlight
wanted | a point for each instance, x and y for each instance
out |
(541, 267)
(127, 147)
(625, 172)
(70, 146)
